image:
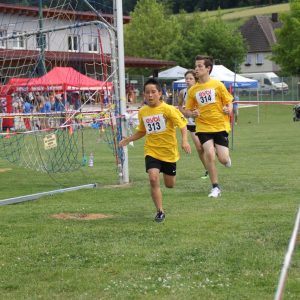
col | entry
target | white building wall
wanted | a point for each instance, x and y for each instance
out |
(266, 66)
(55, 40)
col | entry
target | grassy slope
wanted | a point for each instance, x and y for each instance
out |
(238, 16)
(245, 12)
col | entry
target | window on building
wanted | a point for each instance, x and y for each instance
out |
(73, 43)
(259, 59)
(18, 42)
(248, 60)
(93, 44)
(2, 42)
(41, 41)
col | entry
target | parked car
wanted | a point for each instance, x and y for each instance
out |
(268, 82)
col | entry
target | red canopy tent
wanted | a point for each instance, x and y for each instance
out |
(13, 84)
(67, 79)
(18, 81)
(58, 79)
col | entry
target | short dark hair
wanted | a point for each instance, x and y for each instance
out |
(208, 61)
(154, 82)
(190, 71)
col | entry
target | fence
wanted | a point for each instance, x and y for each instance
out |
(293, 93)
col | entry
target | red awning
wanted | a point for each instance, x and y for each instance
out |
(58, 79)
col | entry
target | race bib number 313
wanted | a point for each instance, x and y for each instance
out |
(154, 124)
(206, 96)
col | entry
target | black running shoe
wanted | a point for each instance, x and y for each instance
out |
(160, 217)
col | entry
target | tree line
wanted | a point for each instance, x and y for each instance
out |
(175, 6)
(159, 29)
(155, 33)
(202, 5)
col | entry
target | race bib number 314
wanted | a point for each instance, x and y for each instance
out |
(206, 96)
(154, 124)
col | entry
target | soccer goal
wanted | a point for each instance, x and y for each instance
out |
(61, 97)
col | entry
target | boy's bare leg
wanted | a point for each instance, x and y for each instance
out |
(209, 157)
(156, 194)
(169, 181)
(199, 148)
(223, 154)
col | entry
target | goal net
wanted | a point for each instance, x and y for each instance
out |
(60, 112)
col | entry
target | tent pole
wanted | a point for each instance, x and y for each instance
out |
(234, 99)
(257, 97)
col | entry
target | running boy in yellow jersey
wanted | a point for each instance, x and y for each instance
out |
(158, 122)
(211, 105)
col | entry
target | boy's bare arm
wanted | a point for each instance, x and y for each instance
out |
(125, 141)
(184, 141)
(227, 109)
(191, 113)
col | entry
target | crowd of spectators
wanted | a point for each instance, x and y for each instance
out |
(51, 109)
(45, 109)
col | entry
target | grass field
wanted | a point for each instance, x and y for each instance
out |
(227, 248)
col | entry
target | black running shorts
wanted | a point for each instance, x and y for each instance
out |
(191, 128)
(220, 138)
(167, 168)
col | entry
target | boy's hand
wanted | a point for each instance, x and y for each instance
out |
(124, 142)
(195, 113)
(186, 147)
(226, 110)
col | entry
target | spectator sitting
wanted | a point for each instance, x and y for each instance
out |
(45, 108)
(58, 105)
(76, 100)
(95, 124)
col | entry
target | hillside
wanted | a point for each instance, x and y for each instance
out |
(238, 16)
(242, 13)
(247, 12)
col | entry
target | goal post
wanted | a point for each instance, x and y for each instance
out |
(19, 61)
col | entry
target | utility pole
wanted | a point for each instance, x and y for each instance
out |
(41, 41)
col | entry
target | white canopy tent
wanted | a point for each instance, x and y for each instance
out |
(229, 78)
(172, 73)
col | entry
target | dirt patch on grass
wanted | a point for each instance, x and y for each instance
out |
(79, 216)
(4, 170)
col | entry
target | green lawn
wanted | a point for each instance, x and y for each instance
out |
(227, 248)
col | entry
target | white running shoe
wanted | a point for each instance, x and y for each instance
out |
(215, 193)
(228, 164)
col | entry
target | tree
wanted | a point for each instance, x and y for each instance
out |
(105, 6)
(128, 6)
(213, 37)
(150, 32)
(286, 52)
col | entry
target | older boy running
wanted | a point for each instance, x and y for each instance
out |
(211, 104)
